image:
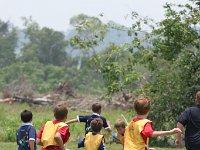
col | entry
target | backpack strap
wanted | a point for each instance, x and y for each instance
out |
(26, 136)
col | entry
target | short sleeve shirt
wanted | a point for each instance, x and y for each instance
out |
(190, 118)
(88, 119)
(31, 135)
(147, 131)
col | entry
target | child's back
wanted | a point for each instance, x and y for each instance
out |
(96, 108)
(133, 138)
(50, 129)
(26, 134)
(140, 128)
(93, 140)
(54, 134)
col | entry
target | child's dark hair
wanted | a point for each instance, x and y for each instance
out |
(120, 123)
(60, 111)
(96, 107)
(26, 116)
(96, 124)
(142, 105)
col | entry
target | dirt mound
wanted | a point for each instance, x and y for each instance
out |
(117, 101)
(65, 88)
(65, 92)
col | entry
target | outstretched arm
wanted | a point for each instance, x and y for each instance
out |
(72, 121)
(159, 133)
(178, 141)
(108, 126)
(109, 130)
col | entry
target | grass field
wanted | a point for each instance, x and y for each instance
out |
(10, 121)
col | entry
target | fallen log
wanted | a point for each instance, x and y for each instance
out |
(7, 100)
(39, 101)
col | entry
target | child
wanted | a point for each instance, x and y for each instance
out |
(54, 134)
(140, 128)
(120, 126)
(26, 134)
(93, 140)
(190, 119)
(96, 108)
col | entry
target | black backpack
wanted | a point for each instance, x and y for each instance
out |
(23, 137)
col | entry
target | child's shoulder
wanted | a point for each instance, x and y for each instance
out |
(99, 116)
(102, 117)
(31, 127)
(26, 126)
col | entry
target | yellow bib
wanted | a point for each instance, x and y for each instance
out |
(120, 137)
(49, 132)
(132, 137)
(92, 142)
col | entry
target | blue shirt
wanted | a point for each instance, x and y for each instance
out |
(88, 119)
(190, 118)
(26, 133)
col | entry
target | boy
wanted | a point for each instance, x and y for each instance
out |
(190, 119)
(140, 128)
(54, 134)
(120, 126)
(26, 134)
(93, 140)
(96, 108)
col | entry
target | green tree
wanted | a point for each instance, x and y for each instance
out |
(175, 32)
(8, 43)
(118, 72)
(171, 55)
(117, 67)
(90, 32)
(42, 77)
(172, 60)
(44, 45)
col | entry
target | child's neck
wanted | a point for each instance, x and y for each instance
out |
(142, 116)
(63, 120)
(26, 122)
(95, 133)
(97, 113)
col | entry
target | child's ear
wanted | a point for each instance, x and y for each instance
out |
(100, 111)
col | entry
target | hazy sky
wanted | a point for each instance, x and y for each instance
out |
(56, 13)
